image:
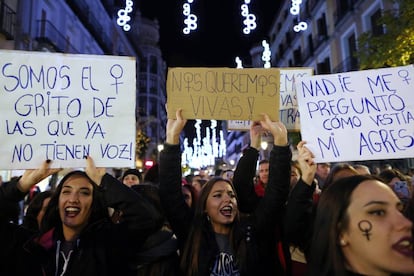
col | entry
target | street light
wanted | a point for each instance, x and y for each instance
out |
(264, 145)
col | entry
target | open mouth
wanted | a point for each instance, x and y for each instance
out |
(404, 247)
(72, 211)
(226, 211)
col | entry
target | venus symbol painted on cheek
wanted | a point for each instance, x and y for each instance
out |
(365, 226)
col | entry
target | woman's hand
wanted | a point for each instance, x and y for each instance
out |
(306, 163)
(33, 177)
(174, 128)
(277, 129)
(256, 131)
(93, 172)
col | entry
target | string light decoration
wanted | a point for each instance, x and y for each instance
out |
(295, 10)
(249, 18)
(239, 63)
(205, 150)
(123, 16)
(190, 19)
(266, 56)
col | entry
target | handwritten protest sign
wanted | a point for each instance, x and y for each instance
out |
(223, 93)
(355, 116)
(288, 106)
(289, 113)
(64, 107)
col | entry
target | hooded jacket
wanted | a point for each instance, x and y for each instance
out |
(103, 248)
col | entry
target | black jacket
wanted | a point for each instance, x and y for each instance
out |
(103, 248)
(275, 251)
(254, 230)
(300, 213)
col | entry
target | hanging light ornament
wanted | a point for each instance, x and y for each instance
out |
(123, 15)
(249, 18)
(239, 63)
(295, 10)
(266, 56)
(190, 19)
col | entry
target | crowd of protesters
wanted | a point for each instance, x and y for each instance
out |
(276, 216)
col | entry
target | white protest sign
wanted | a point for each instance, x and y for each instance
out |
(289, 113)
(63, 107)
(356, 116)
(288, 105)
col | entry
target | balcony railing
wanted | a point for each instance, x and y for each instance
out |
(49, 34)
(89, 20)
(7, 20)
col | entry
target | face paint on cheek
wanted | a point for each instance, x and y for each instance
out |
(365, 227)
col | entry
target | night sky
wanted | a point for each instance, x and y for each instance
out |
(218, 38)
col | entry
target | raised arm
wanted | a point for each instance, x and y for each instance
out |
(134, 218)
(16, 190)
(32, 177)
(299, 210)
(178, 214)
(271, 207)
(243, 178)
(306, 163)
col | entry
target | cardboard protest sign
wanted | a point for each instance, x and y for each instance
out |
(356, 116)
(63, 107)
(288, 106)
(223, 93)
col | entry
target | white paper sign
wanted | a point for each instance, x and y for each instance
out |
(356, 116)
(238, 125)
(288, 105)
(289, 113)
(63, 107)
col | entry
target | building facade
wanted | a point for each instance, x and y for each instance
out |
(151, 98)
(323, 35)
(90, 27)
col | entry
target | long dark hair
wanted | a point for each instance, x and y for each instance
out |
(52, 219)
(193, 195)
(389, 174)
(35, 206)
(202, 229)
(326, 257)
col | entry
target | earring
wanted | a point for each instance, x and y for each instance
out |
(342, 242)
(208, 218)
